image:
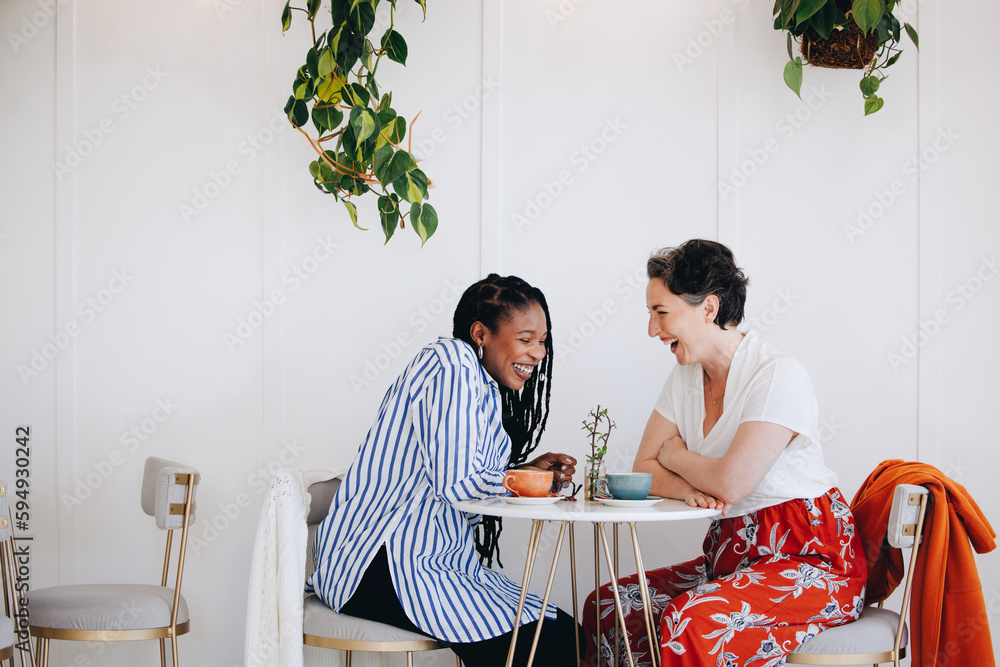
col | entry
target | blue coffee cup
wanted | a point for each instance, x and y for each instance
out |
(626, 485)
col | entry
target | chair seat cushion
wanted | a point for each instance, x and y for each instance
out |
(6, 632)
(874, 632)
(104, 607)
(321, 621)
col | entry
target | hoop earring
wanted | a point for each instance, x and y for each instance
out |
(480, 353)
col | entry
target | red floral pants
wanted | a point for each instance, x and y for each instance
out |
(767, 582)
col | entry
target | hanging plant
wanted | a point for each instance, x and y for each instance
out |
(358, 135)
(843, 34)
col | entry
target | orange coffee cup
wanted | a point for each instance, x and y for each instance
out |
(528, 483)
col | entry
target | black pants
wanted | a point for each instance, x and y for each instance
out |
(375, 600)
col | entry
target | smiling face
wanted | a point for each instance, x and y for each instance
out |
(511, 353)
(678, 324)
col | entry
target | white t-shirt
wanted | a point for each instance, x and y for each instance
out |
(764, 385)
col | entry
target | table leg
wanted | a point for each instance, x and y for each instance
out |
(647, 603)
(597, 590)
(529, 563)
(618, 602)
(548, 590)
(614, 585)
(572, 569)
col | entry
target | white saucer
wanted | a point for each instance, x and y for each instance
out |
(518, 500)
(648, 501)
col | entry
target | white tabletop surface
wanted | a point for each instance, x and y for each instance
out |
(583, 510)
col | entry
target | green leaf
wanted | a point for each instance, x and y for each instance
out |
(326, 62)
(395, 46)
(358, 95)
(793, 76)
(423, 3)
(362, 18)
(892, 60)
(411, 186)
(866, 13)
(286, 16)
(824, 20)
(389, 165)
(914, 37)
(388, 211)
(312, 7)
(312, 63)
(873, 104)
(869, 85)
(424, 220)
(806, 9)
(299, 114)
(314, 169)
(329, 90)
(788, 45)
(364, 123)
(326, 117)
(353, 210)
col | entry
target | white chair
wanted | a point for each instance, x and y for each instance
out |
(879, 635)
(127, 612)
(11, 596)
(325, 628)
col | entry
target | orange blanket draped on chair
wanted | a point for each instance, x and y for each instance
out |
(948, 618)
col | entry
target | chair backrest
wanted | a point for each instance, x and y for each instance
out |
(165, 490)
(320, 496)
(904, 515)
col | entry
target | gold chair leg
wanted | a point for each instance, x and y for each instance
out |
(173, 648)
(409, 659)
(347, 663)
(458, 661)
(163, 653)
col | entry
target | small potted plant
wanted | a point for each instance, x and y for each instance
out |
(843, 34)
(598, 428)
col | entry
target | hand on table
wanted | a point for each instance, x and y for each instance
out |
(696, 498)
(562, 466)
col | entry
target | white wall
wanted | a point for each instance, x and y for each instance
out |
(168, 94)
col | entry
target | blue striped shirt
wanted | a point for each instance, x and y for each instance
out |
(438, 439)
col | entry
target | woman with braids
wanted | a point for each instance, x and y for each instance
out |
(736, 428)
(393, 548)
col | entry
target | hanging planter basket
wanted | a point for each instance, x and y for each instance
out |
(847, 48)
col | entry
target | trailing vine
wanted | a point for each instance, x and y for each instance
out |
(358, 135)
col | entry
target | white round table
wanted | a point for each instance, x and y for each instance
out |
(566, 513)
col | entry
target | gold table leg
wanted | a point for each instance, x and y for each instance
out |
(548, 590)
(614, 589)
(529, 563)
(572, 567)
(647, 603)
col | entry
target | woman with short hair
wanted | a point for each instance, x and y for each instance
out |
(736, 428)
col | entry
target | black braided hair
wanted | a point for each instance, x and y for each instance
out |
(491, 301)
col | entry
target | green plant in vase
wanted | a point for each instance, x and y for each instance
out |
(358, 135)
(599, 430)
(843, 34)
